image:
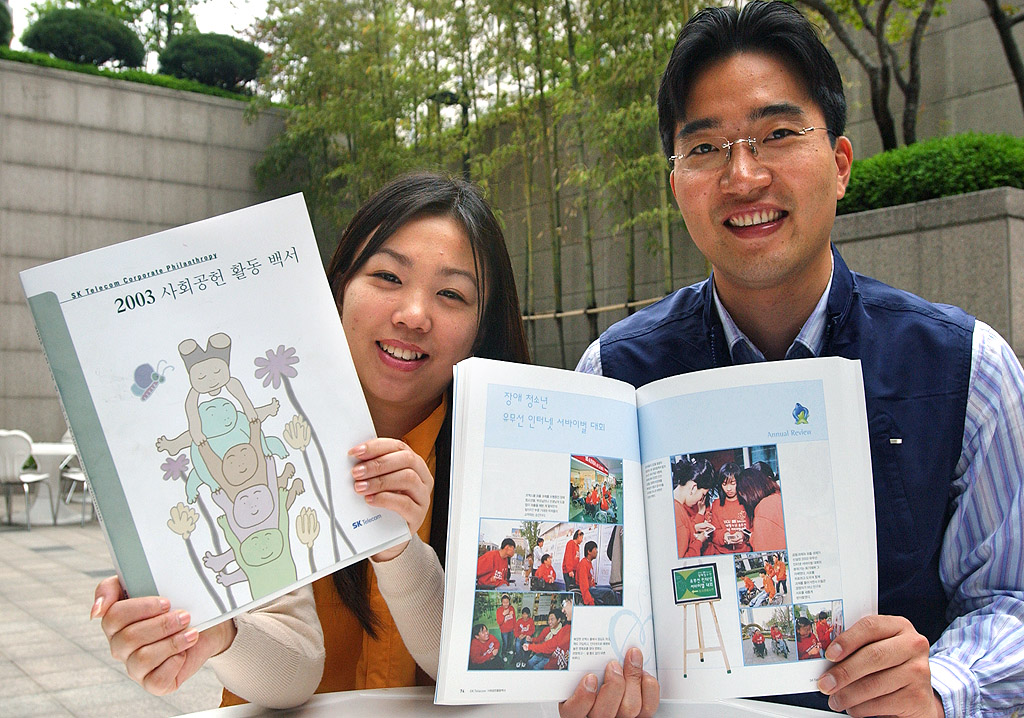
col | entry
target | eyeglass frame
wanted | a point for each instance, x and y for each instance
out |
(751, 142)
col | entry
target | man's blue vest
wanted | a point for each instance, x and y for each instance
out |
(916, 360)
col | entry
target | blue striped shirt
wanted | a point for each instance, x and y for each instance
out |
(977, 665)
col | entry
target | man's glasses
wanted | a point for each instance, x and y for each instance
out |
(709, 153)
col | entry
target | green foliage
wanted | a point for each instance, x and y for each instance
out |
(139, 76)
(85, 36)
(6, 24)
(935, 168)
(212, 59)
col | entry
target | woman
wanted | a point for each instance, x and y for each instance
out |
(422, 280)
(728, 516)
(762, 500)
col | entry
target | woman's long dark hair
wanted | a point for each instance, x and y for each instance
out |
(500, 332)
(752, 486)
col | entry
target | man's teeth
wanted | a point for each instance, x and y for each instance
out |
(749, 220)
(406, 354)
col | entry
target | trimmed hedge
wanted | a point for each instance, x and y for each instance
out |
(85, 36)
(212, 59)
(934, 168)
(139, 76)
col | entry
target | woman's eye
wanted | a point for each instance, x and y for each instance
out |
(387, 277)
(452, 294)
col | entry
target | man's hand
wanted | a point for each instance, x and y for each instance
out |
(625, 694)
(881, 669)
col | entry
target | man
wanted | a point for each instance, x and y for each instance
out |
(483, 650)
(593, 595)
(492, 567)
(690, 484)
(570, 559)
(943, 392)
(538, 554)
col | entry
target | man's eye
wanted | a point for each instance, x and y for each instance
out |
(702, 149)
(780, 133)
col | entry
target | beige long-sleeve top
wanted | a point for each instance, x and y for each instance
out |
(277, 657)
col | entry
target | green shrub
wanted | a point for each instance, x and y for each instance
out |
(6, 25)
(85, 36)
(935, 168)
(212, 59)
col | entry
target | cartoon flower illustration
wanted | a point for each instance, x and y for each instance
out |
(277, 369)
(176, 468)
(277, 366)
(183, 522)
(307, 528)
(296, 433)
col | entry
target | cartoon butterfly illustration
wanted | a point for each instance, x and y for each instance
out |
(147, 379)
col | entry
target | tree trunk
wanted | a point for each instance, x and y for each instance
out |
(1004, 26)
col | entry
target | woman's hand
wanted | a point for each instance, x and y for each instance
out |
(626, 693)
(392, 476)
(158, 648)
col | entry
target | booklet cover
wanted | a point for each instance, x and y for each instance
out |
(732, 588)
(208, 385)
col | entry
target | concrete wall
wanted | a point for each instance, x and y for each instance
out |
(966, 250)
(86, 162)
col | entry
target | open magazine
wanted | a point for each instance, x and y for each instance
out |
(731, 588)
(209, 389)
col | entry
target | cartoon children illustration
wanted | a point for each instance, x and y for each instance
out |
(208, 373)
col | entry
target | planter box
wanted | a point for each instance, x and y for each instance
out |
(966, 250)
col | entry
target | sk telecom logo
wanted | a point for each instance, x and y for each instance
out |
(800, 414)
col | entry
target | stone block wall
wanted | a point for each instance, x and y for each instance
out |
(89, 161)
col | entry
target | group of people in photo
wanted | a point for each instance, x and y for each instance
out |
(814, 633)
(726, 510)
(762, 579)
(595, 489)
(519, 640)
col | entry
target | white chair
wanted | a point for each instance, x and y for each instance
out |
(72, 480)
(15, 448)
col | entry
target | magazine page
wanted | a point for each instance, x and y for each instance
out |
(208, 385)
(546, 574)
(760, 523)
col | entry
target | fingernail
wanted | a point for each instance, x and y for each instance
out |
(359, 472)
(165, 604)
(191, 637)
(636, 658)
(370, 498)
(827, 684)
(590, 683)
(96, 608)
(357, 450)
(833, 703)
(834, 652)
(616, 668)
(183, 618)
(361, 486)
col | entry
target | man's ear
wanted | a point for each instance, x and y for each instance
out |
(844, 160)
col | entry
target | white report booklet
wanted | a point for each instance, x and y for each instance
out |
(722, 521)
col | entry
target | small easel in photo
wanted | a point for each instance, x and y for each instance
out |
(698, 586)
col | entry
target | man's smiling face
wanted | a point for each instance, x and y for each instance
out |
(761, 224)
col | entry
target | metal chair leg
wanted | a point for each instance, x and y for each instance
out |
(28, 519)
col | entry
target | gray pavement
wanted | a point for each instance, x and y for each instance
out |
(54, 661)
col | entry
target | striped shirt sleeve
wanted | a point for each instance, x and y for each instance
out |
(977, 664)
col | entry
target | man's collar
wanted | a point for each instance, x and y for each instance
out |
(808, 342)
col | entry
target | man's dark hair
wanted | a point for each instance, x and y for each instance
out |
(577, 534)
(508, 542)
(589, 546)
(545, 557)
(540, 541)
(773, 28)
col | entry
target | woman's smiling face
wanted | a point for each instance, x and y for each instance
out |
(410, 313)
